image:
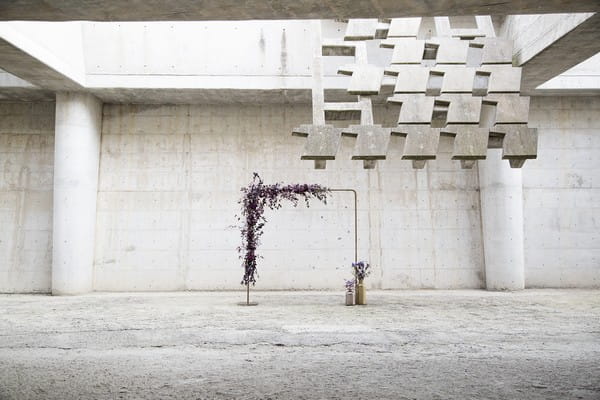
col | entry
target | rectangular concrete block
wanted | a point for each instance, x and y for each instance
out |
(510, 108)
(503, 78)
(404, 27)
(450, 51)
(361, 29)
(495, 50)
(366, 79)
(457, 79)
(406, 50)
(414, 109)
(470, 141)
(371, 141)
(410, 78)
(463, 108)
(421, 141)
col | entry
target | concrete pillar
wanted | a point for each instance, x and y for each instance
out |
(501, 193)
(76, 161)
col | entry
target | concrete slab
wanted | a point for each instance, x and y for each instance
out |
(186, 10)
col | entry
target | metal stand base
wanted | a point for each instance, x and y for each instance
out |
(243, 303)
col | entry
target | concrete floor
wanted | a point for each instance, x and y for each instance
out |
(536, 344)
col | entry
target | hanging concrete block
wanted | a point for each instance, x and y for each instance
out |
(504, 78)
(322, 141)
(414, 109)
(450, 51)
(463, 109)
(457, 78)
(371, 141)
(404, 27)
(481, 83)
(519, 143)
(366, 79)
(361, 29)
(484, 27)
(406, 50)
(435, 82)
(422, 141)
(439, 116)
(410, 78)
(510, 108)
(470, 141)
(495, 50)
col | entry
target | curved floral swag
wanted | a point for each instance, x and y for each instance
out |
(256, 198)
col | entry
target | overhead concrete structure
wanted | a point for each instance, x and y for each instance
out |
(189, 10)
(458, 82)
(548, 45)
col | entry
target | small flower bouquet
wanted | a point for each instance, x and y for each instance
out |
(361, 270)
(349, 283)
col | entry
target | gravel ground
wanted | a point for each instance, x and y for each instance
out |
(534, 344)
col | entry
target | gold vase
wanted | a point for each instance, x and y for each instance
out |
(361, 294)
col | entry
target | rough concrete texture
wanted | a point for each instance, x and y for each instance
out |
(26, 182)
(561, 190)
(541, 344)
(169, 185)
(548, 45)
(154, 10)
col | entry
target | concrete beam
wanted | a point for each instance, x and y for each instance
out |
(48, 57)
(548, 45)
(190, 10)
(13, 88)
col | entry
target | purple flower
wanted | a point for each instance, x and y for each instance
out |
(349, 283)
(361, 270)
(256, 196)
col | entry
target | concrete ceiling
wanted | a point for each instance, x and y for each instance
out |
(193, 10)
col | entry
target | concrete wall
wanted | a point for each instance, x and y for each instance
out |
(562, 194)
(169, 186)
(26, 178)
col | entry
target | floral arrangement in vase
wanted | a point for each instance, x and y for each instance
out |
(349, 284)
(361, 270)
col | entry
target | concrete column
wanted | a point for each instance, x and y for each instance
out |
(76, 161)
(501, 193)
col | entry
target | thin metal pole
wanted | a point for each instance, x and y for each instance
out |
(355, 219)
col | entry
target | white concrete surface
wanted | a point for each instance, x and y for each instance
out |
(169, 185)
(533, 344)
(26, 173)
(76, 158)
(501, 191)
(583, 77)
(562, 194)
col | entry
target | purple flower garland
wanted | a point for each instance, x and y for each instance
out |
(257, 196)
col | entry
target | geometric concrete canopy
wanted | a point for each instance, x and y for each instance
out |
(189, 10)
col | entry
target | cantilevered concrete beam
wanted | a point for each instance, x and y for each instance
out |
(192, 10)
(13, 88)
(31, 61)
(548, 45)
